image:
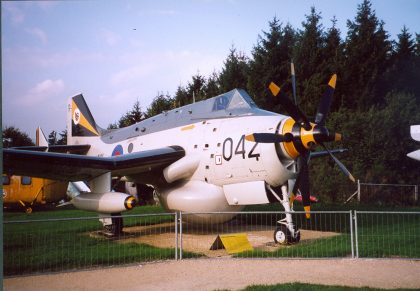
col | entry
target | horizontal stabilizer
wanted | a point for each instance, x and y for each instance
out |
(41, 140)
(80, 149)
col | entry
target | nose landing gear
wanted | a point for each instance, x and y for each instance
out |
(286, 232)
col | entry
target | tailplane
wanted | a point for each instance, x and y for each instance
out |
(41, 140)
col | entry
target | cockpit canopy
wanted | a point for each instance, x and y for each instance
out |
(231, 100)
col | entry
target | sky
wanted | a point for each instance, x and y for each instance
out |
(118, 52)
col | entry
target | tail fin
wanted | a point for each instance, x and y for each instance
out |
(41, 140)
(80, 122)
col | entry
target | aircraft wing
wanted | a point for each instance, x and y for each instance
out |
(72, 167)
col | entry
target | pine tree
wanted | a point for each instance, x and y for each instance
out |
(404, 71)
(195, 88)
(270, 62)
(181, 97)
(131, 117)
(159, 104)
(63, 138)
(235, 71)
(52, 138)
(14, 137)
(333, 54)
(212, 87)
(367, 54)
(309, 59)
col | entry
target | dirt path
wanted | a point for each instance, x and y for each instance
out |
(200, 241)
(210, 274)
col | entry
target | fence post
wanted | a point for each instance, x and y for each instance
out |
(358, 190)
(176, 236)
(180, 235)
(355, 236)
(351, 234)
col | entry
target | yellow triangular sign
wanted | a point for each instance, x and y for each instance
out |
(233, 243)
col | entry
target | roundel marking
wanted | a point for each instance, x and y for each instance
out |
(76, 116)
(130, 148)
(118, 151)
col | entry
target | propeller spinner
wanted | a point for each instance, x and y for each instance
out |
(300, 136)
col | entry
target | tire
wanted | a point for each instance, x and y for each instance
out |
(282, 235)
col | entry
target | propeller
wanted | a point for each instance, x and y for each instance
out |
(300, 140)
(292, 70)
(291, 108)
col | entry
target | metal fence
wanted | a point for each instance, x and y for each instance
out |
(387, 234)
(34, 246)
(325, 235)
(387, 194)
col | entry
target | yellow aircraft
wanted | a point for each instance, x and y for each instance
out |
(27, 192)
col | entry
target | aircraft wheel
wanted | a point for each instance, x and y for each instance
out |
(282, 235)
(28, 210)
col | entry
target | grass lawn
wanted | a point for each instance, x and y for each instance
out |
(309, 287)
(63, 244)
(44, 246)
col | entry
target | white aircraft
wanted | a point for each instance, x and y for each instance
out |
(415, 134)
(216, 155)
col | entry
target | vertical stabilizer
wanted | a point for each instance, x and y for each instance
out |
(80, 122)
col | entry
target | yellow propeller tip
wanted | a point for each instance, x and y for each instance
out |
(250, 137)
(275, 90)
(338, 137)
(332, 81)
(307, 211)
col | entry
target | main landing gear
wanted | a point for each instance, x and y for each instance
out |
(112, 226)
(286, 232)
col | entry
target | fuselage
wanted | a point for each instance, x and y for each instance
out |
(212, 133)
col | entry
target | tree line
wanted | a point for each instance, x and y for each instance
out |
(375, 101)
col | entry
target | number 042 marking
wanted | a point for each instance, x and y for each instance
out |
(239, 149)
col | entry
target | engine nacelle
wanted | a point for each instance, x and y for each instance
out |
(109, 202)
(198, 197)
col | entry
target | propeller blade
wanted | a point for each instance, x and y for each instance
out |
(340, 165)
(291, 108)
(325, 104)
(269, 137)
(292, 69)
(302, 183)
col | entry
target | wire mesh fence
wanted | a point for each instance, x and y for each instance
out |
(326, 235)
(78, 243)
(51, 245)
(387, 234)
(387, 194)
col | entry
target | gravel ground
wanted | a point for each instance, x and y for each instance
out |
(210, 274)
